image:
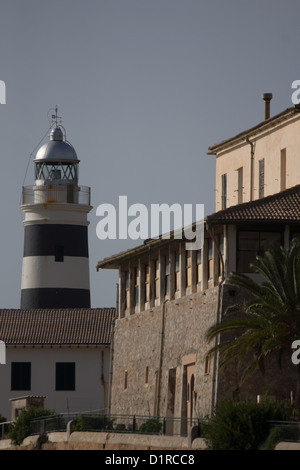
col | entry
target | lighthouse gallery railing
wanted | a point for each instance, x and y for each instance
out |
(43, 194)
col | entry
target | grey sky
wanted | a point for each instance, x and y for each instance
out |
(143, 87)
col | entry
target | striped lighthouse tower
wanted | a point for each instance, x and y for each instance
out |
(55, 271)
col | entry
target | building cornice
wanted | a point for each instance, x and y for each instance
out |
(263, 126)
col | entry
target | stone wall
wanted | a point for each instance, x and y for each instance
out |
(105, 441)
(139, 345)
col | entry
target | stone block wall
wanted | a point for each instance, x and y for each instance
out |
(142, 355)
(139, 347)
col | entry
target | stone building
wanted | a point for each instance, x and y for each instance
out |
(169, 296)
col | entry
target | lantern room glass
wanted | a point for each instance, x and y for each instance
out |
(56, 171)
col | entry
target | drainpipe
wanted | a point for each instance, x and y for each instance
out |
(111, 355)
(162, 333)
(251, 167)
(267, 97)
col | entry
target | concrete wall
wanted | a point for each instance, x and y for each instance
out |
(91, 376)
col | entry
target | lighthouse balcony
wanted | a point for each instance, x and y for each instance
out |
(56, 194)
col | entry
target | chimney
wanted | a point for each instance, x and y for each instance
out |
(267, 98)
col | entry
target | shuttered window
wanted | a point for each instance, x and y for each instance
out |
(156, 283)
(224, 191)
(199, 266)
(261, 190)
(177, 271)
(147, 283)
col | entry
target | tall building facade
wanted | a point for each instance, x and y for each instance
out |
(168, 296)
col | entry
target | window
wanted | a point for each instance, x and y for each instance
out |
(177, 271)
(20, 375)
(283, 170)
(156, 280)
(52, 171)
(127, 291)
(251, 244)
(210, 259)
(167, 276)
(136, 286)
(65, 376)
(147, 375)
(188, 268)
(126, 380)
(224, 191)
(199, 266)
(207, 365)
(147, 283)
(240, 185)
(261, 189)
(59, 253)
(221, 249)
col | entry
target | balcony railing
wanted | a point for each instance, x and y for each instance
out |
(46, 194)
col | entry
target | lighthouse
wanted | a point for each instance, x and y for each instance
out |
(55, 269)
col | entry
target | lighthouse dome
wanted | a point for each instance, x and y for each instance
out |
(56, 150)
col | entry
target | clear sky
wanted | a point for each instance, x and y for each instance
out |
(144, 87)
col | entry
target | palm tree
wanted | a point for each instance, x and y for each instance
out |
(269, 321)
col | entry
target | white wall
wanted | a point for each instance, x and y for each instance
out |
(44, 271)
(89, 389)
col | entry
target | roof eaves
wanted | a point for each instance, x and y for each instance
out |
(114, 261)
(267, 123)
(231, 214)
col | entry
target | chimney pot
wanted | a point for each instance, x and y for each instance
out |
(267, 98)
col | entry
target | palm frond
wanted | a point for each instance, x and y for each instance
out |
(269, 319)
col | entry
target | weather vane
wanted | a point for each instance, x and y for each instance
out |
(55, 117)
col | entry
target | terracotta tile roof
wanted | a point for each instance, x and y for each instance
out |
(56, 327)
(280, 207)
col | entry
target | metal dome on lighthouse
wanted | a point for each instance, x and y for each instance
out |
(55, 271)
(56, 161)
